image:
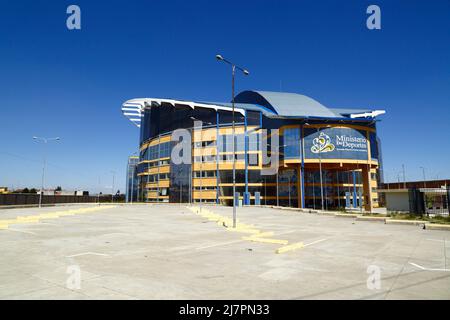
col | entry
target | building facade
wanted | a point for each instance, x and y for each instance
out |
(290, 150)
(132, 179)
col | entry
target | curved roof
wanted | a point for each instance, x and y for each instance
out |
(286, 104)
(271, 104)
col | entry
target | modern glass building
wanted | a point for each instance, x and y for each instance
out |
(132, 179)
(327, 156)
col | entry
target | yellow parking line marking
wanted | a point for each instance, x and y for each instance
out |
(263, 234)
(290, 247)
(25, 221)
(256, 235)
(4, 224)
(49, 216)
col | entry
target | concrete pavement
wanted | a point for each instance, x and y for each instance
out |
(170, 252)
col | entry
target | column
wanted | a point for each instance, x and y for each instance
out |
(367, 192)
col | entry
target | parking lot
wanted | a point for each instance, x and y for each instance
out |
(172, 252)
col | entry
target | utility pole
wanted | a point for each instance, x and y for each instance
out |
(45, 141)
(404, 176)
(112, 188)
(424, 179)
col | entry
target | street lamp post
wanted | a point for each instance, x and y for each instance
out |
(233, 73)
(45, 141)
(98, 193)
(132, 184)
(424, 179)
(320, 169)
(320, 166)
(112, 188)
(289, 190)
(404, 176)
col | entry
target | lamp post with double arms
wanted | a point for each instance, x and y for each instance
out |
(233, 73)
(45, 141)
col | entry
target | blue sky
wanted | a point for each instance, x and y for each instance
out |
(56, 82)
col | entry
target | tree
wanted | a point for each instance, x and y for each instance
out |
(58, 188)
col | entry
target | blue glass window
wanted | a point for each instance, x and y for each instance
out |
(291, 143)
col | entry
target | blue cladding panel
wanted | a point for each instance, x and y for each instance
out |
(335, 143)
(373, 146)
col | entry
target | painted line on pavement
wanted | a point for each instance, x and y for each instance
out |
(22, 231)
(314, 242)
(219, 244)
(427, 269)
(88, 253)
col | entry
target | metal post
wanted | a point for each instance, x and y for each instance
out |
(191, 166)
(45, 141)
(234, 146)
(314, 191)
(245, 72)
(278, 201)
(43, 177)
(424, 179)
(265, 191)
(338, 193)
(98, 193)
(138, 187)
(289, 189)
(132, 185)
(190, 185)
(112, 193)
(320, 169)
(201, 174)
(404, 176)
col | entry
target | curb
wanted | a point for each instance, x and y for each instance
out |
(359, 217)
(346, 215)
(371, 218)
(435, 226)
(407, 222)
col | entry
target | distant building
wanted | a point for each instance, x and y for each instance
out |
(132, 182)
(416, 197)
(3, 190)
(52, 192)
(416, 184)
